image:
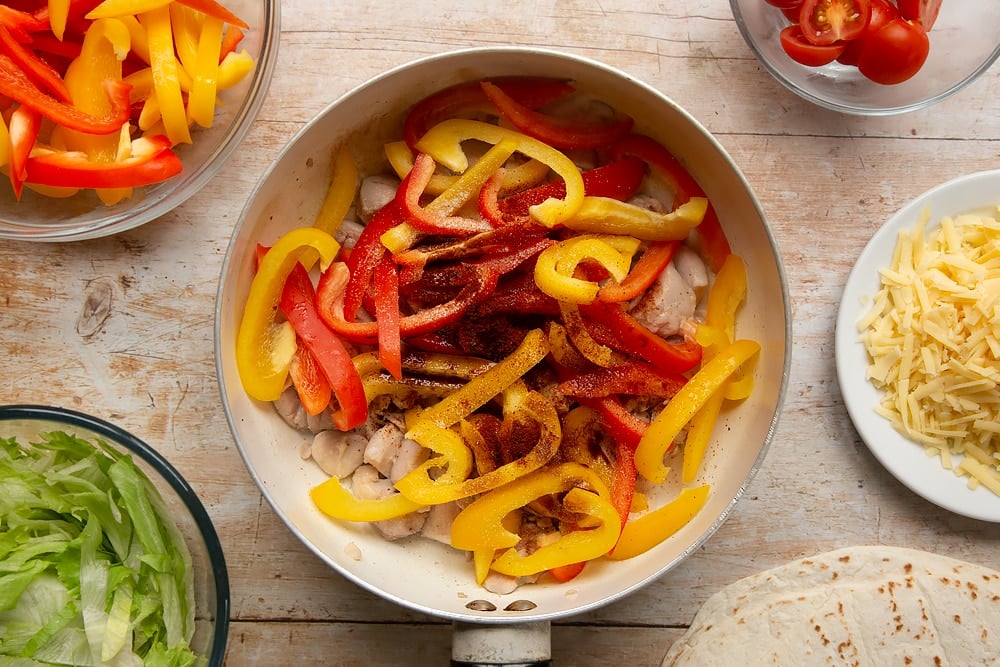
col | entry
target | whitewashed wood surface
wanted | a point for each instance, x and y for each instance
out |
(827, 182)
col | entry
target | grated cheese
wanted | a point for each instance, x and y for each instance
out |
(932, 334)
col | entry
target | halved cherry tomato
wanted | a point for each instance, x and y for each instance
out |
(824, 22)
(883, 11)
(895, 52)
(804, 52)
(924, 11)
(792, 13)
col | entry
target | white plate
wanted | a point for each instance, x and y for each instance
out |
(905, 459)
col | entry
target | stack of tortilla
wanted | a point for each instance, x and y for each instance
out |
(872, 605)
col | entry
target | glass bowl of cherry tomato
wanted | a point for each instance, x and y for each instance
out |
(115, 112)
(872, 57)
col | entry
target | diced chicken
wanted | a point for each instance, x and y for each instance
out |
(501, 584)
(439, 520)
(374, 193)
(667, 304)
(348, 232)
(401, 526)
(366, 484)
(411, 454)
(692, 269)
(383, 448)
(648, 202)
(290, 409)
(337, 453)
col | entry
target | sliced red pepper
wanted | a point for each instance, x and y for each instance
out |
(651, 264)
(714, 244)
(533, 92)
(623, 479)
(37, 70)
(555, 131)
(24, 126)
(634, 379)
(215, 10)
(610, 325)
(309, 381)
(21, 24)
(388, 317)
(618, 180)
(520, 295)
(152, 161)
(62, 48)
(230, 40)
(565, 573)
(17, 86)
(489, 243)
(298, 305)
(366, 254)
(408, 199)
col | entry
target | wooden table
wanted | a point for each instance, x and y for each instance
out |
(827, 182)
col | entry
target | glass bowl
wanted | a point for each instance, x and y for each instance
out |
(211, 580)
(83, 216)
(964, 43)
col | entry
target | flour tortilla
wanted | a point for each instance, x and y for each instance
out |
(855, 606)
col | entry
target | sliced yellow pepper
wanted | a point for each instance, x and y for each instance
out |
(443, 142)
(645, 532)
(116, 8)
(166, 79)
(556, 265)
(4, 142)
(404, 235)
(340, 194)
(611, 216)
(263, 352)
(205, 73)
(58, 14)
(335, 501)
(682, 407)
(418, 487)
(233, 68)
(583, 342)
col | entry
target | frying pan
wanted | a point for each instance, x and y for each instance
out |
(424, 575)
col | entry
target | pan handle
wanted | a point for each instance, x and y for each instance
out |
(496, 645)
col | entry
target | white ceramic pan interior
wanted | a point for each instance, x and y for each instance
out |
(427, 576)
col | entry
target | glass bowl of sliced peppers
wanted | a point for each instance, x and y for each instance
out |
(114, 112)
(872, 57)
(450, 356)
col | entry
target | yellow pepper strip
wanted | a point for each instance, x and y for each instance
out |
(556, 265)
(335, 501)
(443, 142)
(562, 348)
(165, 74)
(4, 142)
(404, 235)
(185, 26)
(105, 44)
(340, 194)
(116, 8)
(699, 434)
(205, 76)
(485, 386)
(58, 13)
(519, 177)
(645, 532)
(611, 216)
(595, 352)
(446, 365)
(142, 84)
(482, 559)
(682, 407)
(150, 116)
(262, 356)
(418, 487)
(579, 427)
(481, 525)
(233, 68)
(728, 291)
(140, 40)
(482, 453)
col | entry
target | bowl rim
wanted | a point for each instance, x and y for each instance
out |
(834, 105)
(217, 558)
(194, 177)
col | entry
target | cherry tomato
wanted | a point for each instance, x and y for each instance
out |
(804, 52)
(895, 52)
(792, 13)
(883, 11)
(827, 21)
(924, 11)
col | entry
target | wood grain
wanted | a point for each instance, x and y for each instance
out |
(122, 327)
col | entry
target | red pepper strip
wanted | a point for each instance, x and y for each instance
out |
(442, 341)
(230, 40)
(533, 92)
(40, 72)
(653, 262)
(610, 325)
(298, 305)
(565, 573)
(21, 24)
(310, 384)
(215, 10)
(388, 317)
(24, 126)
(521, 295)
(152, 161)
(505, 239)
(366, 254)
(634, 379)
(48, 44)
(623, 479)
(714, 245)
(617, 180)
(408, 199)
(330, 300)
(555, 131)
(15, 85)
(487, 204)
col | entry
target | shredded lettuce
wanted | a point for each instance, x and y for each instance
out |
(93, 570)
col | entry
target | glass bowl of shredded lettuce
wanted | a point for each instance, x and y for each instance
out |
(107, 556)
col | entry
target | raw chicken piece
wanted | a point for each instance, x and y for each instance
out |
(692, 269)
(383, 448)
(366, 484)
(337, 453)
(411, 454)
(374, 193)
(348, 232)
(439, 520)
(667, 304)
